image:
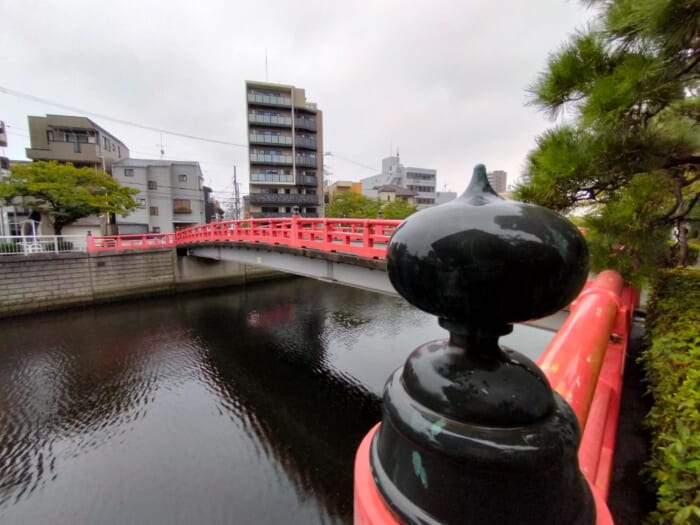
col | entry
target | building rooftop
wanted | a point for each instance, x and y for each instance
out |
(151, 162)
(398, 190)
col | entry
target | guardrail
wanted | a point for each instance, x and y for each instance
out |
(32, 244)
(585, 363)
(130, 242)
(362, 237)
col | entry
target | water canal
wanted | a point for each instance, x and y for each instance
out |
(241, 406)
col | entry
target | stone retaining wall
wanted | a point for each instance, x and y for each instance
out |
(42, 282)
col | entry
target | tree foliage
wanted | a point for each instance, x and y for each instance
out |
(66, 193)
(629, 148)
(398, 209)
(357, 206)
(352, 205)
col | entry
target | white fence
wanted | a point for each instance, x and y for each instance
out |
(30, 244)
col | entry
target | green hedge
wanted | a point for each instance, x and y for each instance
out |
(672, 367)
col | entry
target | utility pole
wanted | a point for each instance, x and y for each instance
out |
(236, 205)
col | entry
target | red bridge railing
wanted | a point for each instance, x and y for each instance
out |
(362, 237)
(130, 242)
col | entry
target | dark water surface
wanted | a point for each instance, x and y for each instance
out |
(240, 406)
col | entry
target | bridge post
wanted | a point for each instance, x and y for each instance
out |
(471, 431)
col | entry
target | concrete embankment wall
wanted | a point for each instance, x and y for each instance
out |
(43, 282)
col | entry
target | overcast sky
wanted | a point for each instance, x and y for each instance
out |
(444, 82)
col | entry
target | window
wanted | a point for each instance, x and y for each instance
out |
(182, 206)
(182, 178)
(155, 229)
(268, 209)
(119, 152)
(128, 172)
(106, 143)
(49, 135)
(153, 211)
(142, 202)
(152, 185)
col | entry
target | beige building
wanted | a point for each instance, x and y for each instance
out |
(285, 138)
(498, 180)
(78, 140)
(171, 195)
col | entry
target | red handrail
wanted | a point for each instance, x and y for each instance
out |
(363, 237)
(109, 243)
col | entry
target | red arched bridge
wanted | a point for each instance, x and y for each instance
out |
(345, 251)
(584, 361)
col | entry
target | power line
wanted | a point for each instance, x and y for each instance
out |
(26, 96)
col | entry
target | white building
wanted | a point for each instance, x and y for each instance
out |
(170, 195)
(419, 180)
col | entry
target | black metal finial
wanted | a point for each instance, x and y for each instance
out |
(463, 415)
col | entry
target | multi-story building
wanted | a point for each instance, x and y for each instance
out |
(498, 179)
(171, 195)
(285, 137)
(422, 181)
(79, 140)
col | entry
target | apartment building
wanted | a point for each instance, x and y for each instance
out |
(422, 181)
(78, 140)
(171, 195)
(285, 138)
(498, 180)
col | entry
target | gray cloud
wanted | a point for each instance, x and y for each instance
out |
(444, 81)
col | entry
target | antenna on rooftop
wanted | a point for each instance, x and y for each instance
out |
(162, 150)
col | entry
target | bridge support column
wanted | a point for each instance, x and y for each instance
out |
(471, 431)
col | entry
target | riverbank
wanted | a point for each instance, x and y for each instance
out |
(45, 282)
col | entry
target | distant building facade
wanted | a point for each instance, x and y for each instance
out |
(445, 196)
(285, 138)
(341, 186)
(392, 192)
(422, 181)
(171, 195)
(78, 140)
(498, 180)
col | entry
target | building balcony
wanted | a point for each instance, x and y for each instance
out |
(303, 160)
(307, 180)
(275, 178)
(270, 120)
(284, 199)
(270, 100)
(305, 123)
(271, 159)
(305, 142)
(67, 152)
(263, 138)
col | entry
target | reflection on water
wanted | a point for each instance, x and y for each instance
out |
(244, 406)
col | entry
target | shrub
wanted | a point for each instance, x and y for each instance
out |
(61, 244)
(672, 367)
(10, 247)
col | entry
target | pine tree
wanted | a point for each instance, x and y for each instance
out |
(628, 150)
